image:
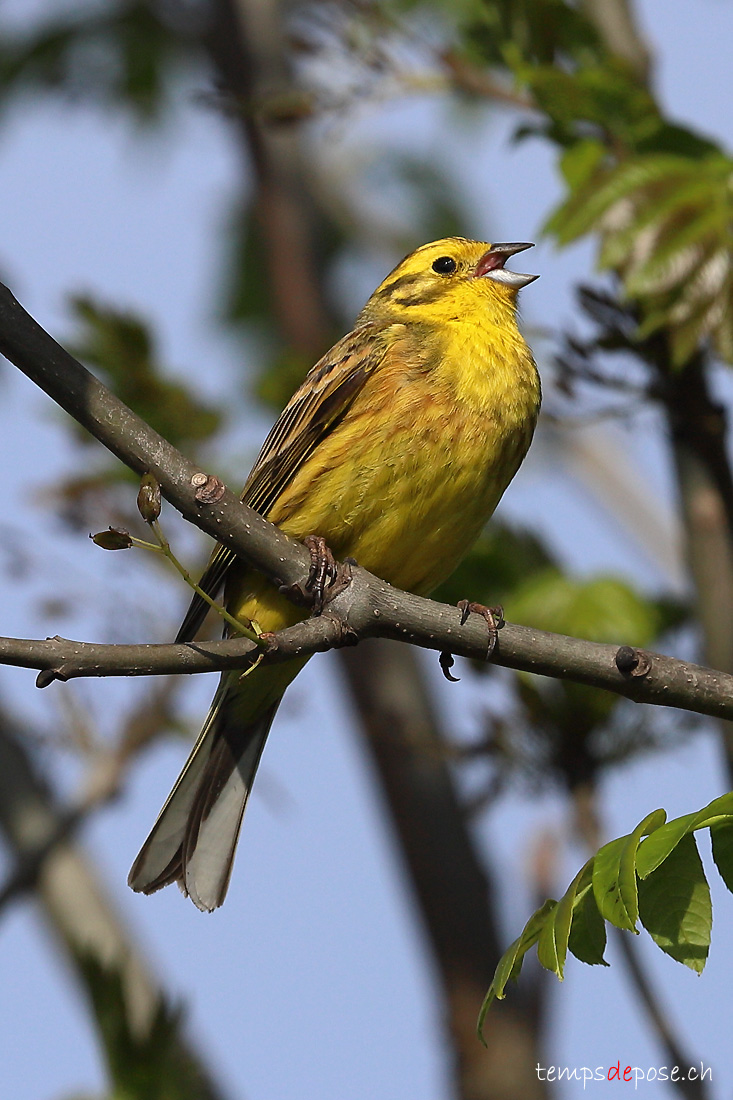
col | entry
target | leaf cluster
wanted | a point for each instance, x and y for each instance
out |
(666, 227)
(500, 32)
(658, 194)
(659, 881)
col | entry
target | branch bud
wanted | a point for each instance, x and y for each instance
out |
(115, 538)
(148, 498)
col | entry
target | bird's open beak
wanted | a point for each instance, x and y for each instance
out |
(491, 266)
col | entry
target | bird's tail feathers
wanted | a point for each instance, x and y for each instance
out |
(194, 839)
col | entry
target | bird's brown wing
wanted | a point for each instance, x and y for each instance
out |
(312, 412)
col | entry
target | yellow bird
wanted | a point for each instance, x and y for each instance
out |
(396, 450)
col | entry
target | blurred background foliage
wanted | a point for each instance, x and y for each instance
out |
(656, 198)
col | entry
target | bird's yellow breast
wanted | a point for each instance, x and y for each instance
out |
(408, 479)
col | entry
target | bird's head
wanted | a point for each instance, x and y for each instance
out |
(451, 279)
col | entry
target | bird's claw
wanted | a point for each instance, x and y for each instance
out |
(493, 616)
(326, 577)
(323, 570)
(447, 660)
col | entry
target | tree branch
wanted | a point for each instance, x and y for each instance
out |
(366, 607)
(371, 608)
(203, 500)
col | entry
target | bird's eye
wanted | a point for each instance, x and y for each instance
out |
(444, 265)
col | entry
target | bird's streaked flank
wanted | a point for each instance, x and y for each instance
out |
(396, 450)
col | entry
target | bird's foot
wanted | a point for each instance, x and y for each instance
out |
(326, 577)
(494, 618)
(323, 570)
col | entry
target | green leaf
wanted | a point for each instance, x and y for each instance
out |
(676, 220)
(672, 899)
(500, 562)
(721, 833)
(143, 1063)
(510, 963)
(670, 137)
(603, 99)
(612, 904)
(716, 812)
(614, 875)
(675, 906)
(705, 287)
(588, 931)
(680, 245)
(123, 54)
(523, 36)
(657, 847)
(583, 210)
(665, 224)
(279, 377)
(687, 336)
(245, 291)
(552, 948)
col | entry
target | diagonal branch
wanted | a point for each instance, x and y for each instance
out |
(202, 499)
